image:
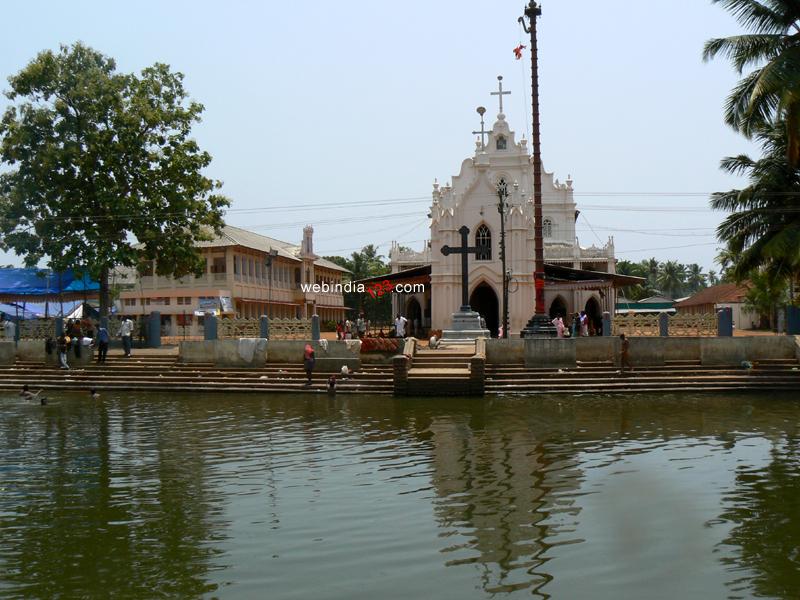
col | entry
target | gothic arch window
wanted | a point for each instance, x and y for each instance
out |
(547, 228)
(500, 144)
(483, 241)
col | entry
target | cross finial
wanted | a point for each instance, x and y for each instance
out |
(481, 111)
(500, 93)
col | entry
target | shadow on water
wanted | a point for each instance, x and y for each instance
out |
(547, 496)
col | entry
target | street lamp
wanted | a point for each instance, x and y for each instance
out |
(502, 195)
(270, 257)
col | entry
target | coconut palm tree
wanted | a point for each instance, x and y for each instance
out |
(672, 278)
(713, 279)
(763, 231)
(770, 93)
(695, 278)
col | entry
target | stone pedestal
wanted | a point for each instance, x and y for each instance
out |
(539, 326)
(466, 328)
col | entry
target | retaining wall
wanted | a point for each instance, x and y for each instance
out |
(644, 351)
(8, 352)
(225, 353)
(222, 353)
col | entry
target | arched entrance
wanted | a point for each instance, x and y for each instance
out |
(558, 309)
(484, 301)
(595, 315)
(414, 316)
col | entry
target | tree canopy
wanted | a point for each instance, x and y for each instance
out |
(102, 171)
(770, 93)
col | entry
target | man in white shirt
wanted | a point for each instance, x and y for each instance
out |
(9, 329)
(400, 326)
(126, 330)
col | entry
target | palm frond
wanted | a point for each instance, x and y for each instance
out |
(754, 15)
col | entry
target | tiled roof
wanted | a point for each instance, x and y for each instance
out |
(716, 294)
(235, 236)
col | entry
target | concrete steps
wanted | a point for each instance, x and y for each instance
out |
(775, 374)
(157, 373)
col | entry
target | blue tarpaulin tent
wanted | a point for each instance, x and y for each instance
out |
(28, 293)
(23, 283)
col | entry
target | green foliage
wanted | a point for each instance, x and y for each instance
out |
(99, 160)
(362, 265)
(770, 93)
(765, 294)
(669, 278)
(762, 231)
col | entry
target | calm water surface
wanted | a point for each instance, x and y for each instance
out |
(140, 496)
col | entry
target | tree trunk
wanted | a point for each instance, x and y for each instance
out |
(105, 296)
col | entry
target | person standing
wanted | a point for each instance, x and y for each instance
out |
(309, 360)
(126, 331)
(584, 320)
(624, 357)
(9, 329)
(62, 343)
(558, 322)
(361, 325)
(400, 326)
(102, 345)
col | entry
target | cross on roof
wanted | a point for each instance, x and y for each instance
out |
(500, 93)
(483, 133)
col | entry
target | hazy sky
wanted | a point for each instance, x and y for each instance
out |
(362, 101)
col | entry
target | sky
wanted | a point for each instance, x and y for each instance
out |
(366, 103)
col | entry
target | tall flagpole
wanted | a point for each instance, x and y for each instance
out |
(539, 324)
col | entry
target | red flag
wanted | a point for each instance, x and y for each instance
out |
(518, 51)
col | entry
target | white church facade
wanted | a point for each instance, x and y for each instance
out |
(577, 278)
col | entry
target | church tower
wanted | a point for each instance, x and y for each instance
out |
(471, 200)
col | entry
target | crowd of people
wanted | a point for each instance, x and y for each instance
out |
(582, 326)
(82, 335)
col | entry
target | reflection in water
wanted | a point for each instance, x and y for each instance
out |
(764, 509)
(102, 495)
(359, 497)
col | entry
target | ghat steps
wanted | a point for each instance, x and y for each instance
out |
(604, 377)
(164, 373)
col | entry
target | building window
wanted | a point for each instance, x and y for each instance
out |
(218, 266)
(483, 240)
(501, 143)
(547, 228)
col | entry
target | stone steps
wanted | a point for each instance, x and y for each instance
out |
(775, 374)
(166, 374)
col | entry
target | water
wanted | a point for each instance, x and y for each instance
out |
(280, 497)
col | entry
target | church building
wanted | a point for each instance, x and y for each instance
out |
(577, 278)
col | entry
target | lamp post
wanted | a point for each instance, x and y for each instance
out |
(270, 258)
(502, 195)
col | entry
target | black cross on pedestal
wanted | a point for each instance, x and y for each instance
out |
(464, 251)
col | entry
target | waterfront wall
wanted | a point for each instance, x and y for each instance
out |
(7, 353)
(224, 353)
(330, 357)
(644, 351)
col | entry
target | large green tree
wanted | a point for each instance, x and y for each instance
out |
(101, 168)
(672, 277)
(762, 230)
(770, 92)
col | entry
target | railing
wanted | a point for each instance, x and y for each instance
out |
(699, 325)
(37, 329)
(290, 329)
(238, 328)
(635, 325)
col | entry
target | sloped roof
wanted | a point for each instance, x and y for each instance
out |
(236, 236)
(716, 294)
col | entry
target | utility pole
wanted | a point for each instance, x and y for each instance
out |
(539, 324)
(502, 195)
